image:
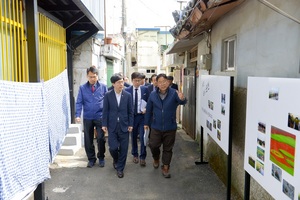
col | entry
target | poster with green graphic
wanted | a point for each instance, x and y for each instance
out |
(272, 140)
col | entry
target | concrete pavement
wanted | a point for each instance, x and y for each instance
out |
(72, 180)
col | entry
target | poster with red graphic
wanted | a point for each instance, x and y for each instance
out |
(215, 107)
(272, 140)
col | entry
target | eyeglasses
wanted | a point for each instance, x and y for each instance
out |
(162, 82)
(137, 80)
(92, 76)
(119, 82)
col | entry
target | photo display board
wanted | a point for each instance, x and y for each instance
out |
(215, 107)
(272, 140)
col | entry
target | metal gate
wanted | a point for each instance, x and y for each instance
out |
(189, 110)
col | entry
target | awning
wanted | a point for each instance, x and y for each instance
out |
(71, 14)
(185, 44)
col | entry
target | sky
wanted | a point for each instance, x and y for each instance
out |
(141, 14)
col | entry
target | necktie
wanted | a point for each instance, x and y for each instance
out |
(135, 101)
(93, 88)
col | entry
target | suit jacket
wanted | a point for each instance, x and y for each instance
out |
(150, 88)
(174, 86)
(144, 92)
(112, 112)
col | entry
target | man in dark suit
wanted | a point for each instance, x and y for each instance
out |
(126, 84)
(143, 82)
(153, 85)
(172, 85)
(118, 121)
(139, 98)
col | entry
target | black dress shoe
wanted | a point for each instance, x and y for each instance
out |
(120, 174)
(90, 164)
(115, 165)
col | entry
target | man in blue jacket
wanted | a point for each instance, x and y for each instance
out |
(90, 99)
(161, 114)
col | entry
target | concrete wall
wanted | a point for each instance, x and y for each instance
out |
(268, 44)
(82, 59)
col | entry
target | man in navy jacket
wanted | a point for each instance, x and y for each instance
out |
(118, 122)
(161, 114)
(90, 99)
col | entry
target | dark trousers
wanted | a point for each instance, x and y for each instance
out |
(165, 138)
(89, 139)
(118, 146)
(138, 129)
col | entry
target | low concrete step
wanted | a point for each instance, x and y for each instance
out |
(74, 128)
(72, 142)
(68, 150)
(72, 139)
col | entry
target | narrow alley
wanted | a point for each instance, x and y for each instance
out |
(72, 180)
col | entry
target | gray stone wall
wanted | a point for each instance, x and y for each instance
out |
(218, 159)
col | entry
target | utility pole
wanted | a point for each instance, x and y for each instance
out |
(104, 19)
(124, 18)
(126, 60)
(180, 1)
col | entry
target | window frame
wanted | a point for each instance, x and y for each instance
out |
(227, 53)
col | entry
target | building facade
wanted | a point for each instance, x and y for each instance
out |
(255, 38)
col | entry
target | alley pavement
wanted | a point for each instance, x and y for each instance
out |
(72, 180)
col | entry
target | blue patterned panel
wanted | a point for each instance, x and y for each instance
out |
(58, 106)
(24, 140)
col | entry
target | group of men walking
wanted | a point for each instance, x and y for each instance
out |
(124, 110)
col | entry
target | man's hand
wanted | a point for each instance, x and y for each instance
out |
(180, 95)
(146, 127)
(104, 128)
(130, 129)
(77, 120)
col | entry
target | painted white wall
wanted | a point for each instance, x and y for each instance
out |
(268, 43)
(147, 53)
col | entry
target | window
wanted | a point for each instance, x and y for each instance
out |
(228, 53)
(150, 71)
(194, 54)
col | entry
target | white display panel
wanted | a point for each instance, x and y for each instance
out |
(272, 131)
(215, 107)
